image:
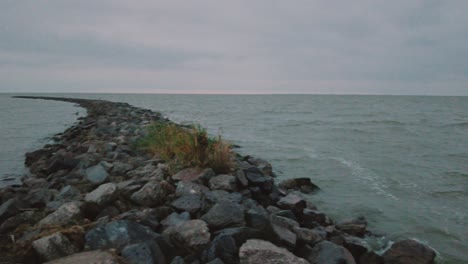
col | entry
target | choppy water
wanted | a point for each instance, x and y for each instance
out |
(402, 161)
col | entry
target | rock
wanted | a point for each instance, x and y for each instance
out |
(263, 165)
(223, 182)
(313, 218)
(38, 197)
(194, 174)
(409, 251)
(177, 260)
(188, 187)
(9, 208)
(189, 203)
(89, 257)
(103, 195)
(354, 227)
(143, 253)
(28, 217)
(326, 252)
(118, 234)
(215, 261)
(371, 258)
(307, 236)
(256, 219)
(255, 177)
(192, 235)
(223, 215)
(282, 229)
(65, 214)
(53, 247)
(240, 175)
(241, 234)
(175, 219)
(217, 196)
(223, 247)
(153, 193)
(121, 168)
(148, 217)
(68, 192)
(304, 185)
(355, 246)
(292, 202)
(96, 174)
(256, 251)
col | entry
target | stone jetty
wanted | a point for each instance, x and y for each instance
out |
(92, 197)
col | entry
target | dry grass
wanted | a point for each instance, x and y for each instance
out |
(188, 147)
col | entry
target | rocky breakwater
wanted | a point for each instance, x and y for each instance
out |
(92, 197)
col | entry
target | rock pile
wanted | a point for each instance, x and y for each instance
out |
(91, 197)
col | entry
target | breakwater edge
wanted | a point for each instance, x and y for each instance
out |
(91, 195)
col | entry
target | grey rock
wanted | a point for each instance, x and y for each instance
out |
(148, 217)
(354, 227)
(68, 192)
(53, 247)
(103, 195)
(356, 246)
(283, 230)
(223, 215)
(223, 247)
(65, 214)
(292, 202)
(304, 185)
(28, 217)
(96, 174)
(255, 177)
(39, 197)
(188, 187)
(178, 260)
(262, 165)
(223, 182)
(193, 235)
(188, 203)
(313, 218)
(121, 168)
(217, 196)
(307, 236)
(256, 251)
(409, 251)
(175, 219)
(118, 234)
(216, 261)
(9, 208)
(326, 252)
(153, 193)
(94, 257)
(143, 253)
(256, 219)
(241, 234)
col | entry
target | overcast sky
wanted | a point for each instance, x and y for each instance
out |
(215, 46)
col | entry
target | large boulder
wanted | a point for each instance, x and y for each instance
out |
(223, 247)
(188, 203)
(256, 251)
(103, 195)
(94, 257)
(354, 227)
(53, 247)
(409, 251)
(304, 185)
(9, 208)
(292, 202)
(153, 193)
(118, 234)
(224, 214)
(223, 182)
(263, 165)
(143, 253)
(192, 235)
(96, 174)
(326, 252)
(65, 214)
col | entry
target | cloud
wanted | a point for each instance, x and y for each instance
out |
(378, 47)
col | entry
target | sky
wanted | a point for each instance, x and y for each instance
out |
(240, 47)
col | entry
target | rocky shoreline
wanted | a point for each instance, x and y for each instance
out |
(92, 196)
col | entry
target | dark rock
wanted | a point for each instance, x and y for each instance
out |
(223, 182)
(94, 257)
(409, 251)
(118, 234)
(121, 168)
(175, 219)
(223, 215)
(354, 227)
(371, 258)
(68, 192)
(282, 229)
(256, 219)
(355, 246)
(286, 213)
(259, 251)
(53, 247)
(177, 260)
(143, 253)
(65, 214)
(241, 179)
(215, 261)
(263, 165)
(148, 217)
(307, 236)
(217, 196)
(153, 193)
(255, 177)
(194, 174)
(241, 234)
(38, 197)
(9, 208)
(96, 174)
(304, 185)
(224, 248)
(328, 253)
(188, 187)
(28, 217)
(312, 218)
(103, 195)
(192, 235)
(189, 203)
(292, 202)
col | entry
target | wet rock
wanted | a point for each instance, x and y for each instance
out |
(94, 257)
(263, 165)
(65, 214)
(307, 236)
(143, 253)
(223, 247)
(153, 193)
(259, 251)
(53, 247)
(68, 192)
(188, 187)
(175, 219)
(118, 234)
(241, 179)
(313, 218)
(328, 253)
(255, 177)
(194, 174)
(409, 251)
(103, 195)
(355, 246)
(371, 258)
(282, 229)
(223, 182)
(354, 227)
(96, 174)
(223, 215)
(292, 202)
(188, 203)
(192, 235)
(304, 185)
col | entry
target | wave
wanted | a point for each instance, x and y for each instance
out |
(460, 125)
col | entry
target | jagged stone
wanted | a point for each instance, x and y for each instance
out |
(223, 182)
(193, 235)
(143, 253)
(188, 203)
(409, 251)
(153, 193)
(53, 247)
(256, 251)
(223, 215)
(103, 195)
(65, 214)
(96, 174)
